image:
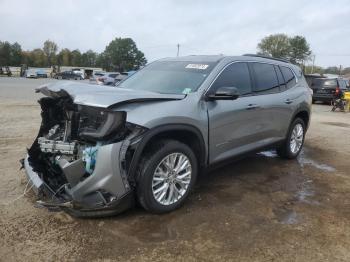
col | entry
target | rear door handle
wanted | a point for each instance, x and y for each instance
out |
(288, 101)
(252, 106)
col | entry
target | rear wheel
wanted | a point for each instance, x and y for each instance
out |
(166, 176)
(293, 144)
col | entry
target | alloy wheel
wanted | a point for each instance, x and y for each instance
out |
(171, 178)
(296, 139)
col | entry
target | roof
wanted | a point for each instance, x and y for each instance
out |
(217, 58)
(268, 57)
(196, 58)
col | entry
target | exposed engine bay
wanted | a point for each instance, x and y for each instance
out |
(70, 155)
(86, 154)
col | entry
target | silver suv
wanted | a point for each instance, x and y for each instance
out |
(101, 148)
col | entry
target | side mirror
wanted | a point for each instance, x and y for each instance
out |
(225, 93)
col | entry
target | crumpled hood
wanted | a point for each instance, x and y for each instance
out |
(101, 96)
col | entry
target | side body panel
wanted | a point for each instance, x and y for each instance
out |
(234, 127)
(256, 121)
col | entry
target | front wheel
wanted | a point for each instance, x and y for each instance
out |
(166, 175)
(293, 144)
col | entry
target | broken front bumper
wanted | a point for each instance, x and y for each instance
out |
(35, 182)
(105, 192)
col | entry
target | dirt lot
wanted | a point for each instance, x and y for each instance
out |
(259, 209)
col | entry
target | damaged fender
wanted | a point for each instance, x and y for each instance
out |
(73, 124)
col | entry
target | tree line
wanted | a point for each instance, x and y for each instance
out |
(121, 54)
(296, 50)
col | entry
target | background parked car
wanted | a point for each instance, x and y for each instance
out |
(5, 71)
(41, 74)
(108, 78)
(324, 89)
(78, 72)
(122, 76)
(95, 76)
(68, 75)
(30, 73)
(310, 77)
(119, 78)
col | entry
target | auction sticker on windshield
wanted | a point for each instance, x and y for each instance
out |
(197, 66)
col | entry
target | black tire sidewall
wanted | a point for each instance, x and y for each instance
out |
(144, 188)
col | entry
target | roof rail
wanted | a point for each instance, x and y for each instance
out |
(268, 57)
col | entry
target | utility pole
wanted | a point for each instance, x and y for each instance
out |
(178, 49)
(313, 64)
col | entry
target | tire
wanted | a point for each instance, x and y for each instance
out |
(286, 150)
(59, 77)
(147, 185)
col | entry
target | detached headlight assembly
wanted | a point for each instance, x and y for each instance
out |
(97, 124)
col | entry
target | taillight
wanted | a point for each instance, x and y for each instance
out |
(337, 90)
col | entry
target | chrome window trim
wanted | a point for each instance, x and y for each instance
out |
(246, 61)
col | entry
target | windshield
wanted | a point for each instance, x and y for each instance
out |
(169, 77)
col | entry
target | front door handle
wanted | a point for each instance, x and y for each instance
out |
(252, 106)
(288, 101)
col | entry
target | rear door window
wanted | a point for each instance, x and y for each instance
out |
(265, 78)
(235, 75)
(289, 77)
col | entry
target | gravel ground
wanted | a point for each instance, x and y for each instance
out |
(261, 208)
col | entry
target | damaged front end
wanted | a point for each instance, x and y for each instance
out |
(79, 160)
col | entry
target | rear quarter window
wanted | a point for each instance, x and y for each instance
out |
(288, 76)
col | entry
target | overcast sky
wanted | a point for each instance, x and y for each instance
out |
(200, 27)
